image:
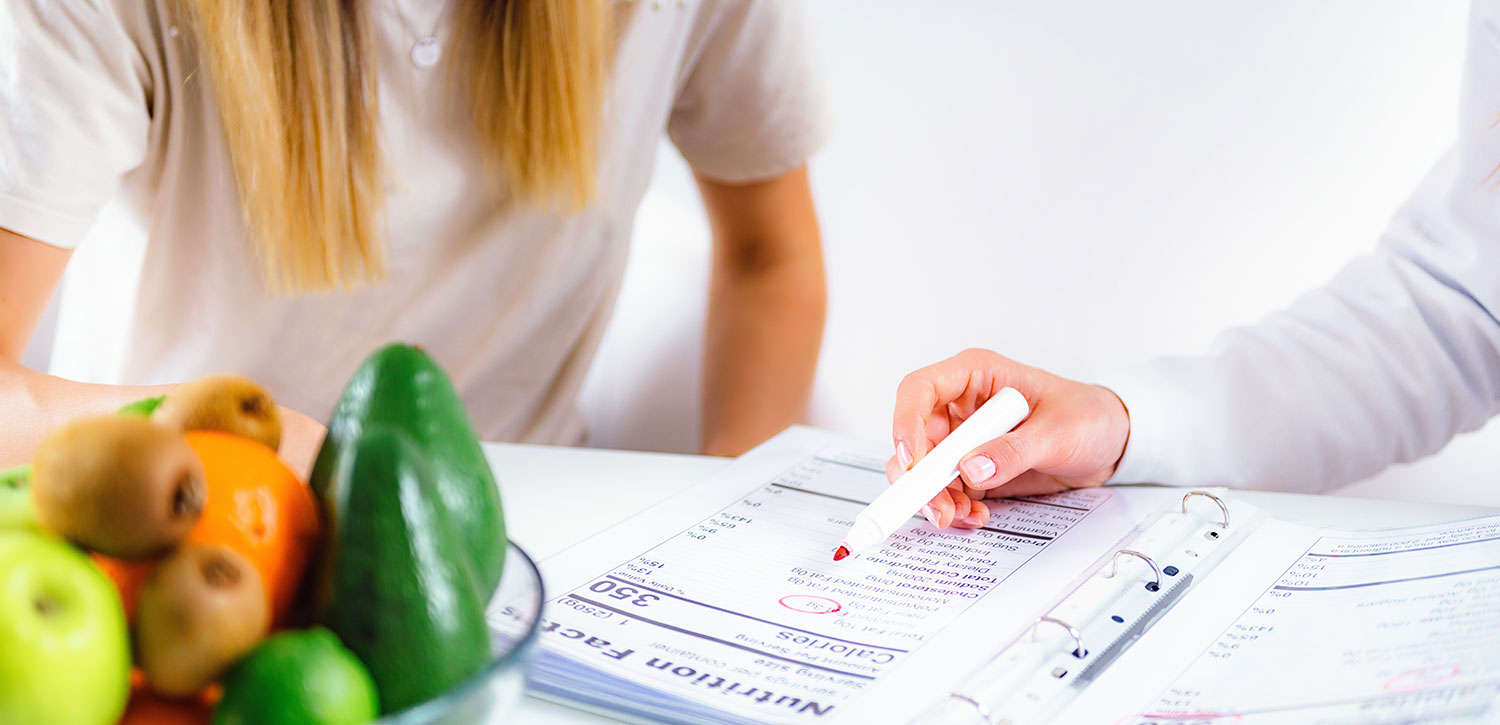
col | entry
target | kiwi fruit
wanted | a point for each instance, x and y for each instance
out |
(201, 611)
(225, 403)
(124, 487)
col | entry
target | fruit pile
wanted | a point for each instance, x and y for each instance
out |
(163, 565)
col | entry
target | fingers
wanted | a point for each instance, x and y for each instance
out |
(1002, 459)
(893, 469)
(1030, 483)
(301, 438)
(939, 511)
(978, 515)
(953, 507)
(931, 400)
(962, 507)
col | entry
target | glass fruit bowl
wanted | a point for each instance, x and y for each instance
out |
(492, 695)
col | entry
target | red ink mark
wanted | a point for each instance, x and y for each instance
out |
(1420, 679)
(810, 604)
(1196, 717)
(841, 554)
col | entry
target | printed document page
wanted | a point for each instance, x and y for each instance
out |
(723, 604)
(1316, 626)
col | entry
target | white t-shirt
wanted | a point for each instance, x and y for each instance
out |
(1386, 363)
(98, 105)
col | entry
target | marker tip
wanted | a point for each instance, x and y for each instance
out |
(841, 554)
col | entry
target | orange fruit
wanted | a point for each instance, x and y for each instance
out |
(128, 576)
(257, 507)
(148, 708)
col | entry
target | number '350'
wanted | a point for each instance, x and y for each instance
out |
(623, 593)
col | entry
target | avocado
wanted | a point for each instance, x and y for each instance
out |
(402, 388)
(397, 587)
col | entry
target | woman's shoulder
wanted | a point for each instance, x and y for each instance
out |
(99, 23)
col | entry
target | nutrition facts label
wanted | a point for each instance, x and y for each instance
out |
(1370, 627)
(747, 613)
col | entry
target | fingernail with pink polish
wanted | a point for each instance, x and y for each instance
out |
(903, 455)
(930, 514)
(978, 469)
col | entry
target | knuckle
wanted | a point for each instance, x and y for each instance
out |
(976, 355)
(1010, 453)
(916, 381)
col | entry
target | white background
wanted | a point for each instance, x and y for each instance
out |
(1078, 184)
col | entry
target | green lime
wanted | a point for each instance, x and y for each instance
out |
(142, 408)
(298, 676)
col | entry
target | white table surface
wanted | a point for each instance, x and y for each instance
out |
(592, 489)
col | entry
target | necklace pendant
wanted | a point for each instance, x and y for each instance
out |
(426, 52)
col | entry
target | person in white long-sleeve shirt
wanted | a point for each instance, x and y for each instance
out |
(1387, 362)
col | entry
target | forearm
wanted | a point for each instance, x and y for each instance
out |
(34, 404)
(765, 326)
(765, 309)
(1384, 365)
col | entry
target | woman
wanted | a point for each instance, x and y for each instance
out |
(1386, 363)
(316, 179)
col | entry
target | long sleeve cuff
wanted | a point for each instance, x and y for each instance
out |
(1138, 388)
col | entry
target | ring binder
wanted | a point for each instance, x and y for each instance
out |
(1216, 500)
(979, 707)
(1114, 567)
(1080, 652)
(1031, 679)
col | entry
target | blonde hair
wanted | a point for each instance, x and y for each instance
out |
(294, 82)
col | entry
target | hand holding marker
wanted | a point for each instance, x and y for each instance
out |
(933, 473)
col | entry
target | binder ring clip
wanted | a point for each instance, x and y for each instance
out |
(1115, 566)
(1080, 652)
(981, 709)
(1216, 499)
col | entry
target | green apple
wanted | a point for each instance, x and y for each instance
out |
(64, 644)
(16, 509)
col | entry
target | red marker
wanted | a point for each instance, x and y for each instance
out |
(893, 508)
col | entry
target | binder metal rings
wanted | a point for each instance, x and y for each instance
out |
(1073, 631)
(1216, 499)
(983, 711)
(1114, 567)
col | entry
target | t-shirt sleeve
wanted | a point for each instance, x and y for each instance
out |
(752, 103)
(74, 116)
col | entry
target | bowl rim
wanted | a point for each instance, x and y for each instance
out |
(435, 706)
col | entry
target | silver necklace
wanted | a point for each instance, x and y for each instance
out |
(426, 49)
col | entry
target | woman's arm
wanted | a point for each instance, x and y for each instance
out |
(1387, 362)
(765, 310)
(29, 272)
(1394, 356)
(32, 403)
